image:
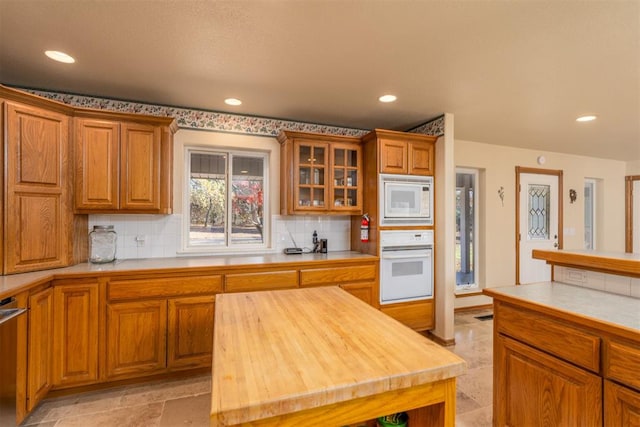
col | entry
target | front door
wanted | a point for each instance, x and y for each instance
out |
(539, 221)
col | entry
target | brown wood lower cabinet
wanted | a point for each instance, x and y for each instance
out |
(363, 291)
(552, 368)
(40, 344)
(85, 331)
(159, 324)
(190, 332)
(136, 338)
(417, 315)
(359, 280)
(75, 332)
(539, 389)
(621, 406)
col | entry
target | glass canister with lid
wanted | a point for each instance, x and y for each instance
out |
(102, 244)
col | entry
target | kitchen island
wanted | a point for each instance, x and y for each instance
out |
(319, 356)
(565, 355)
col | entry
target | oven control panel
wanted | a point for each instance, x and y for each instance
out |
(391, 238)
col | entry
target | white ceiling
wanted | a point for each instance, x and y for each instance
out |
(513, 73)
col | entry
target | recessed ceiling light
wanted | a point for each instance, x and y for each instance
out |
(60, 56)
(232, 101)
(585, 118)
(387, 98)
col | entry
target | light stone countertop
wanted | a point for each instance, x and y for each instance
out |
(611, 309)
(12, 284)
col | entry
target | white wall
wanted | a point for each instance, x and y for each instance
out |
(633, 168)
(497, 165)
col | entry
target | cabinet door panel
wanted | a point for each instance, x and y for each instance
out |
(190, 332)
(37, 149)
(421, 158)
(38, 193)
(140, 167)
(393, 156)
(96, 164)
(535, 389)
(38, 236)
(621, 406)
(40, 346)
(75, 356)
(136, 338)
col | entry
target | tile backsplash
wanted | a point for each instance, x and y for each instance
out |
(611, 283)
(160, 236)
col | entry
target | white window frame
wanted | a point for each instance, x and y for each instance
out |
(475, 286)
(228, 248)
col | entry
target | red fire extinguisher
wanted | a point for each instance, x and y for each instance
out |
(364, 228)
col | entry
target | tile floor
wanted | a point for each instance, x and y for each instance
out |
(185, 402)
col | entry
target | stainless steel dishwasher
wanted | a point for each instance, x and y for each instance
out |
(9, 314)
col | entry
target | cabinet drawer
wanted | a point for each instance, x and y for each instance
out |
(163, 287)
(549, 335)
(337, 276)
(263, 281)
(622, 363)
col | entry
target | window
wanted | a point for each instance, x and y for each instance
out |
(589, 213)
(227, 200)
(466, 257)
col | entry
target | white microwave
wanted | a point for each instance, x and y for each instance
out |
(406, 200)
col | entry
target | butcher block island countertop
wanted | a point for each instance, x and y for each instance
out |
(319, 356)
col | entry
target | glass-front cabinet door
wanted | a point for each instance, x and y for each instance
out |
(346, 189)
(311, 163)
(320, 174)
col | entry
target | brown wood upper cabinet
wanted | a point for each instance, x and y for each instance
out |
(404, 153)
(320, 174)
(38, 187)
(122, 165)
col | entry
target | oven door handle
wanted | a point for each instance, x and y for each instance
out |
(421, 255)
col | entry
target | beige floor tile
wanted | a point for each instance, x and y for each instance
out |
(481, 417)
(161, 391)
(136, 416)
(188, 411)
(80, 404)
(478, 384)
(465, 403)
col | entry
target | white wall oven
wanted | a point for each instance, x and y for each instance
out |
(406, 200)
(406, 265)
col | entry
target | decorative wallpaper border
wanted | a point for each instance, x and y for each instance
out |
(188, 118)
(433, 127)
